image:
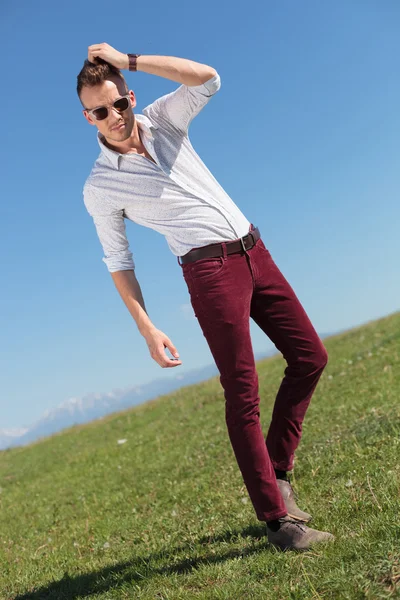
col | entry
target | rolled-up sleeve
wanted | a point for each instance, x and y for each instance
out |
(111, 231)
(179, 107)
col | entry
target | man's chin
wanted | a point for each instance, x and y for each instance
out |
(119, 135)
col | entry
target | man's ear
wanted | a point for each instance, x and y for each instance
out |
(133, 98)
(88, 117)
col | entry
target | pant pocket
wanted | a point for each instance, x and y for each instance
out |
(206, 268)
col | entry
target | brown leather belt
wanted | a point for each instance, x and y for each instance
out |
(215, 250)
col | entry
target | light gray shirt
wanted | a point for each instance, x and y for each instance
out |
(178, 196)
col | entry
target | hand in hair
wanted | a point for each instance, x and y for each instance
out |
(107, 53)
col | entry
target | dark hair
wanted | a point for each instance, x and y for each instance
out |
(93, 74)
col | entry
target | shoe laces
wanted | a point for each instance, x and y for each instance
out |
(298, 524)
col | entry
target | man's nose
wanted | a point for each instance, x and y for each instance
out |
(114, 117)
(114, 112)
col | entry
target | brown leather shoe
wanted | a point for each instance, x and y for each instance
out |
(296, 536)
(288, 496)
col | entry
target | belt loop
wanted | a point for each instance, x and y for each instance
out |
(179, 262)
(224, 252)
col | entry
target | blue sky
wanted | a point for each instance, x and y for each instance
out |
(303, 134)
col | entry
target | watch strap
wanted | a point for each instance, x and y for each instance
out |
(132, 61)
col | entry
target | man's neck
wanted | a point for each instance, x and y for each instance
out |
(132, 145)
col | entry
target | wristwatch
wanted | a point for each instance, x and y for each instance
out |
(132, 61)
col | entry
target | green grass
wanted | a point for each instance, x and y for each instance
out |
(166, 516)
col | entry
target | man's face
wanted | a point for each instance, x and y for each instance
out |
(116, 127)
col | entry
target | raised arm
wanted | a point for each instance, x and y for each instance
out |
(175, 110)
(182, 70)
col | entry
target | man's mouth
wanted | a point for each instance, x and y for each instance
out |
(117, 127)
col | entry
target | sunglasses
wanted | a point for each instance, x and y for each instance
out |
(101, 112)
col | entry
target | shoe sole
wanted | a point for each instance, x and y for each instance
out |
(319, 543)
(299, 518)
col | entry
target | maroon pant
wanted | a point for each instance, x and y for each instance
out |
(225, 292)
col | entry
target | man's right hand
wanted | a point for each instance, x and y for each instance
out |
(157, 341)
(129, 289)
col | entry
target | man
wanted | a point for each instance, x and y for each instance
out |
(148, 172)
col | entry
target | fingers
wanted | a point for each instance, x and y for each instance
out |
(97, 47)
(159, 355)
(96, 50)
(166, 362)
(157, 342)
(171, 347)
(92, 55)
(107, 53)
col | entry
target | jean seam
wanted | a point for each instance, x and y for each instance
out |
(193, 293)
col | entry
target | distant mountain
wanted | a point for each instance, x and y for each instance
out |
(95, 406)
(7, 436)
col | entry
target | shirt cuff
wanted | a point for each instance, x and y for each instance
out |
(208, 88)
(119, 263)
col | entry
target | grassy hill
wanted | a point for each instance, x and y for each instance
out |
(165, 515)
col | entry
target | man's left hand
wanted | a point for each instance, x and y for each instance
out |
(109, 54)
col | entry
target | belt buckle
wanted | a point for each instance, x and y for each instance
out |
(242, 242)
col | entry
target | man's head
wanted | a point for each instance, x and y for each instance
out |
(100, 85)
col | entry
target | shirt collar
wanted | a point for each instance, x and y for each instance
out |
(145, 125)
